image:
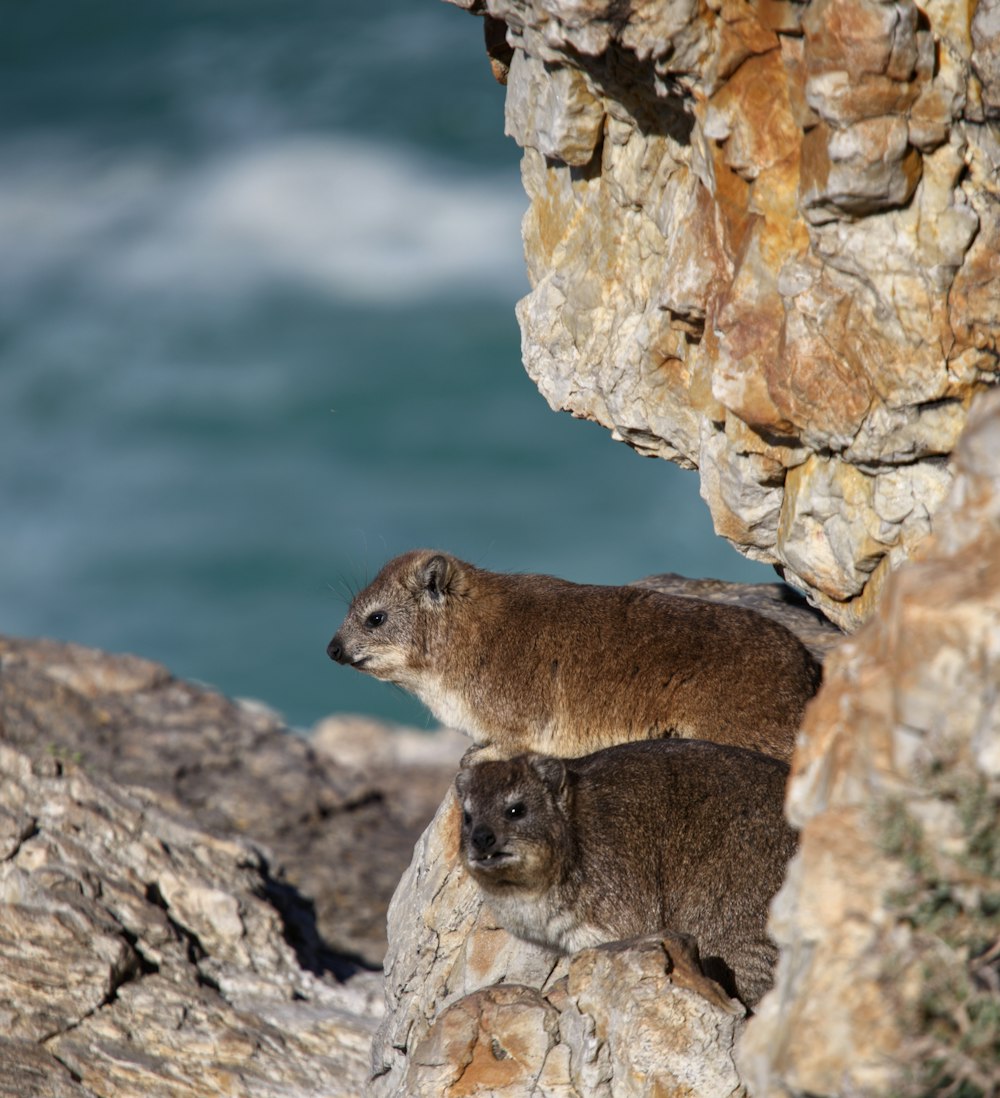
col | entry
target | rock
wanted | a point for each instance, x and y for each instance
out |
(144, 952)
(656, 1024)
(625, 1020)
(774, 600)
(763, 242)
(29, 1070)
(888, 913)
(141, 955)
(340, 823)
(471, 1009)
(408, 771)
(986, 55)
(493, 1040)
(567, 122)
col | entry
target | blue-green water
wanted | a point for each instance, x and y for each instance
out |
(256, 322)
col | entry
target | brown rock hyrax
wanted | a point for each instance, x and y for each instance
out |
(535, 663)
(678, 835)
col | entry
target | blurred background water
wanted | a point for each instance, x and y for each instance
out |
(259, 263)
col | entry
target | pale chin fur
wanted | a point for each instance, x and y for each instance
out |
(378, 667)
(448, 707)
(543, 920)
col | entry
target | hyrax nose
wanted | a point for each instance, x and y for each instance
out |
(335, 649)
(483, 838)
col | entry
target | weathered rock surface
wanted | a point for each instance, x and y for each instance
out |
(141, 955)
(340, 812)
(146, 946)
(887, 921)
(774, 600)
(764, 242)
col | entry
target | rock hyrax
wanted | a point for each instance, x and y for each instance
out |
(535, 663)
(679, 835)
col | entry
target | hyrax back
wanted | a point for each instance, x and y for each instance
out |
(679, 835)
(535, 663)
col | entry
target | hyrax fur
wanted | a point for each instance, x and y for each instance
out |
(535, 663)
(679, 835)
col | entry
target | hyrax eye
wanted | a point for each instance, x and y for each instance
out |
(374, 620)
(466, 818)
(516, 811)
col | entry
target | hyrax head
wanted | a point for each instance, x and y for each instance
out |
(389, 626)
(515, 823)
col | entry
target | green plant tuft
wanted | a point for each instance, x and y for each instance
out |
(952, 903)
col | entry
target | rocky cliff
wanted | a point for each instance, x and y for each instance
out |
(764, 242)
(192, 897)
(890, 941)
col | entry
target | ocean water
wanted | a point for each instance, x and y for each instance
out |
(257, 284)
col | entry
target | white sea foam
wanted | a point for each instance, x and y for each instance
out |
(352, 219)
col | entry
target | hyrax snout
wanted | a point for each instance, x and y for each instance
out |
(673, 835)
(536, 663)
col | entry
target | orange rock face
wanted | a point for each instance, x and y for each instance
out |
(905, 731)
(763, 243)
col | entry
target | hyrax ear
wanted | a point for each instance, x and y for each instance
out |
(553, 774)
(436, 576)
(462, 779)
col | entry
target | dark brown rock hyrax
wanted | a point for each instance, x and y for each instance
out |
(679, 835)
(535, 663)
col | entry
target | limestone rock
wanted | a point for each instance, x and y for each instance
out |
(141, 955)
(567, 122)
(472, 1010)
(763, 242)
(317, 805)
(774, 600)
(896, 787)
(146, 946)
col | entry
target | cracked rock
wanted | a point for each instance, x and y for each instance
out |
(772, 219)
(139, 955)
